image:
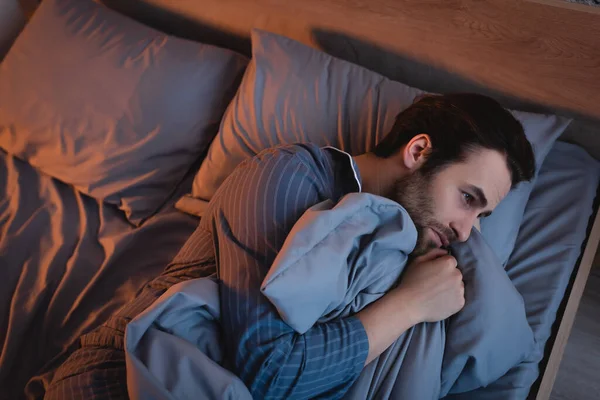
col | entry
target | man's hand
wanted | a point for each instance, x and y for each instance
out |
(431, 290)
(433, 287)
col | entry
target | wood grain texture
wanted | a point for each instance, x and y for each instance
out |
(568, 317)
(537, 52)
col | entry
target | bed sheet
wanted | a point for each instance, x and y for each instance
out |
(549, 245)
(67, 262)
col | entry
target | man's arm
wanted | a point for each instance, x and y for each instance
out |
(431, 290)
(250, 217)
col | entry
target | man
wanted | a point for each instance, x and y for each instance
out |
(448, 160)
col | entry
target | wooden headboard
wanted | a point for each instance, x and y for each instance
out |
(536, 55)
(541, 53)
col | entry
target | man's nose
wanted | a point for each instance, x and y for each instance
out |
(462, 228)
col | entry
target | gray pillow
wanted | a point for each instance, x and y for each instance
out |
(490, 334)
(117, 109)
(502, 227)
(12, 22)
(293, 93)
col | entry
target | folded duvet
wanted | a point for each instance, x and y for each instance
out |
(337, 259)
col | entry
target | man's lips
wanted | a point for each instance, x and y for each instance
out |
(443, 239)
(437, 238)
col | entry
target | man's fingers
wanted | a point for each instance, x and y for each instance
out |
(432, 255)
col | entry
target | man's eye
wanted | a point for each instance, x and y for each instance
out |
(468, 198)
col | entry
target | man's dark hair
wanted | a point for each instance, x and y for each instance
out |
(459, 123)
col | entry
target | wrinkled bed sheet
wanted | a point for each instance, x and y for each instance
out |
(66, 262)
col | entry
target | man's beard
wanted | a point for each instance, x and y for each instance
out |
(413, 192)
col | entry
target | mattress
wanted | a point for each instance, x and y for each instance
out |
(67, 263)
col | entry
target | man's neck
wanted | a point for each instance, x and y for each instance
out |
(379, 175)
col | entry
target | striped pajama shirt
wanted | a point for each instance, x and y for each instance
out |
(238, 238)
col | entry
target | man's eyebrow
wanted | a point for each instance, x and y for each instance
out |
(479, 196)
(480, 199)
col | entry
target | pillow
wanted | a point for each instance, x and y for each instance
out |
(502, 227)
(554, 227)
(117, 109)
(490, 334)
(294, 93)
(12, 21)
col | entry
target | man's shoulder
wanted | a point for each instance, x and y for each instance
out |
(309, 155)
(301, 151)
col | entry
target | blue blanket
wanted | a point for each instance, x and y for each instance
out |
(337, 259)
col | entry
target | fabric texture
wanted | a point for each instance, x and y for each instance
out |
(173, 349)
(117, 109)
(474, 348)
(12, 22)
(249, 219)
(502, 227)
(349, 254)
(409, 369)
(549, 244)
(490, 334)
(337, 277)
(96, 370)
(247, 226)
(68, 263)
(293, 93)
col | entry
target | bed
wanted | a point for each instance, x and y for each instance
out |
(71, 260)
(79, 261)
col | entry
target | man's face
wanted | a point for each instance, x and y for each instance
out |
(445, 206)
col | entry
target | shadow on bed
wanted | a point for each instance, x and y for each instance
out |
(180, 25)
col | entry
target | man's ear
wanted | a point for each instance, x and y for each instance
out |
(416, 151)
